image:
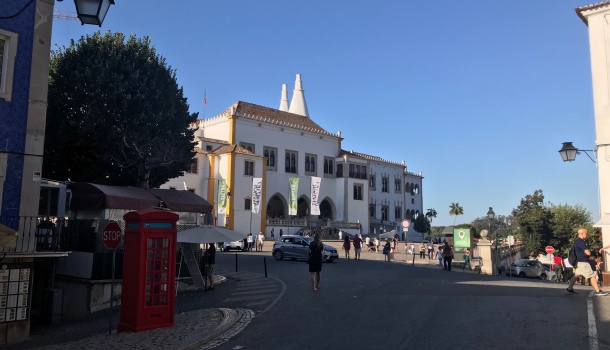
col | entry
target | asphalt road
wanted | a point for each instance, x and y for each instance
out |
(371, 303)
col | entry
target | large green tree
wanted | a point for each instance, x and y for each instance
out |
(422, 224)
(116, 114)
(533, 219)
(565, 222)
(455, 209)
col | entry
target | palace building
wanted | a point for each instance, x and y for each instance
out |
(250, 144)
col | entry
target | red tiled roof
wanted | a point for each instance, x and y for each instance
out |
(250, 110)
(580, 10)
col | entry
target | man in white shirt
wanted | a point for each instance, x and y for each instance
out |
(569, 269)
(260, 242)
(249, 240)
(368, 243)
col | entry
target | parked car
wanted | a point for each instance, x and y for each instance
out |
(297, 247)
(227, 246)
(527, 268)
(548, 274)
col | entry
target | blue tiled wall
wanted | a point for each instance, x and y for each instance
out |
(13, 115)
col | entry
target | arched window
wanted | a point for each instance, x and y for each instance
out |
(326, 166)
(416, 189)
(306, 163)
(287, 165)
(312, 166)
(412, 214)
(272, 158)
(293, 164)
(330, 167)
(266, 155)
(412, 189)
(407, 187)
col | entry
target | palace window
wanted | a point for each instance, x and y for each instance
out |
(358, 192)
(372, 211)
(248, 168)
(248, 146)
(339, 170)
(270, 153)
(328, 167)
(385, 209)
(397, 213)
(372, 182)
(247, 204)
(397, 185)
(310, 164)
(290, 162)
(193, 168)
(385, 184)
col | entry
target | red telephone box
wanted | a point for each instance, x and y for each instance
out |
(149, 270)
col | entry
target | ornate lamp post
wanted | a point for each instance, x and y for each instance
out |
(491, 215)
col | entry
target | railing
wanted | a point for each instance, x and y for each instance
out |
(345, 224)
(36, 234)
(287, 222)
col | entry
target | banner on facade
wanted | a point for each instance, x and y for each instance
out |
(257, 194)
(315, 192)
(292, 196)
(222, 196)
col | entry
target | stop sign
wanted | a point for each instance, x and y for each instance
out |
(112, 235)
(549, 249)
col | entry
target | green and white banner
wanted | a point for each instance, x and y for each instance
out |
(222, 196)
(292, 196)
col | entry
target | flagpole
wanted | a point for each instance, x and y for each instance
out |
(205, 102)
(251, 206)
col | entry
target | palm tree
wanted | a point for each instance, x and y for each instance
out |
(430, 214)
(456, 209)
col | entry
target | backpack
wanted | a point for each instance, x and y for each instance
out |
(572, 259)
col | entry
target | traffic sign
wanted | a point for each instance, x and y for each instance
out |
(511, 240)
(406, 224)
(112, 235)
(549, 249)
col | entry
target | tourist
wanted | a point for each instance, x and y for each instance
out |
(315, 261)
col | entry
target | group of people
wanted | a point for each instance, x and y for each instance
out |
(586, 266)
(260, 242)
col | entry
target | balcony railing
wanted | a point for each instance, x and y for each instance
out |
(36, 234)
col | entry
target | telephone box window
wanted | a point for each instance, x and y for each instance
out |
(157, 271)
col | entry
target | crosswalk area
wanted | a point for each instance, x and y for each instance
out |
(253, 291)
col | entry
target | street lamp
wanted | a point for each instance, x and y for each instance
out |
(568, 152)
(491, 215)
(92, 11)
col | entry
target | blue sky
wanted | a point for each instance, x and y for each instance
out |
(478, 95)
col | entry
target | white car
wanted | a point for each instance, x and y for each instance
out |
(237, 245)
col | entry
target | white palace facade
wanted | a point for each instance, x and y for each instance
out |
(358, 193)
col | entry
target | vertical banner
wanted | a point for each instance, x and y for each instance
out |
(315, 192)
(292, 195)
(257, 188)
(222, 196)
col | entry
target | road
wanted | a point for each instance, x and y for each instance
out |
(371, 303)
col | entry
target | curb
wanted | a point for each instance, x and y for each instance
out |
(233, 320)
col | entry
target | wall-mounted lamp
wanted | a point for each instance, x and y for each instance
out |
(228, 194)
(568, 152)
(92, 11)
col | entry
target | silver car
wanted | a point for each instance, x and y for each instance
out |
(297, 247)
(527, 268)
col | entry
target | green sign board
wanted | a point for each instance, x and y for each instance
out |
(461, 237)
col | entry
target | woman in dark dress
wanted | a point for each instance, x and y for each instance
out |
(346, 246)
(315, 261)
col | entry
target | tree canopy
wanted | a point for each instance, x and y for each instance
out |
(533, 219)
(422, 224)
(116, 114)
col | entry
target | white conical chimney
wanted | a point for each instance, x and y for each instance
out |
(298, 104)
(284, 100)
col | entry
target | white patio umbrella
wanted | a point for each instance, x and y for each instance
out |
(209, 234)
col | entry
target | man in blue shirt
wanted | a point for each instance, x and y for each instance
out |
(583, 267)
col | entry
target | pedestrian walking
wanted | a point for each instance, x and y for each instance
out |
(281, 233)
(394, 246)
(357, 247)
(249, 242)
(272, 235)
(447, 256)
(368, 243)
(439, 255)
(376, 243)
(260, 242)
(210, 259)
(422, 250)
(386, 250)
(568, 270)
(582, 267)
(558, 267)
(467, 259)
(340, 235)
(430, 250)
(346, 246)
(315, 261)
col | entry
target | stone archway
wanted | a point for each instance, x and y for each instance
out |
(327, 209)
(302, 206)
(277, 207)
